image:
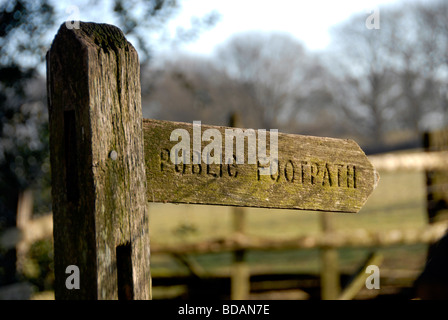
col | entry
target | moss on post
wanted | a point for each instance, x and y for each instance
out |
(97, 161)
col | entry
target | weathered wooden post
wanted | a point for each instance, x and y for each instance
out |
(98, 165)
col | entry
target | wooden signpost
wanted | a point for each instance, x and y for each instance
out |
(107, 163)
(313, 174)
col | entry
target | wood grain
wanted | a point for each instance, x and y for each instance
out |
(97, 162)
(314, 174)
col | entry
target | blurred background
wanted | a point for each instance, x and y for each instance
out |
(375, 72)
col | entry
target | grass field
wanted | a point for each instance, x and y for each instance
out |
(398, 202)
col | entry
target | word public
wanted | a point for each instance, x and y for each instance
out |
(212, 153)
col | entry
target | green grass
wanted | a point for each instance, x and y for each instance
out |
(399, 201)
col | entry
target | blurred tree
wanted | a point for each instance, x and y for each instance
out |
(433, 39)
(24, 29)
(268, 78)
(275, 71)
(412, 47)
(395, 77)
(23, 117)
(144, 22)
(191, 88)
(365, 81)
(370, 83)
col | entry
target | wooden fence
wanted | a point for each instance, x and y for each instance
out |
(40, 228)
(330, 240)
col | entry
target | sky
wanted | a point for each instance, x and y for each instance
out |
(309, 21)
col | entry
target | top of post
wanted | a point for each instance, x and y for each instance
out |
(97, 35)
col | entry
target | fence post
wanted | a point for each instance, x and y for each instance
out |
(240, 278)
(432, 283)
(330, 278)
(97, 161)
(436, 180)
(24, 215)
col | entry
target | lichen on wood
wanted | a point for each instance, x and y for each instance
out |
(314, 173)
(99, 201)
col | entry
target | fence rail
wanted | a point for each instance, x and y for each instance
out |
(31, 230)
(335, 239)
(42, 228)
(418, 161)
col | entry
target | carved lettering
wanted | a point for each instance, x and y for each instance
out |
(165, 159)
(275, 176)
(342, 175)
(196, 167)
(259, 167)
(214, 170)
(232, 168)
(327, 176)
(289, 171)
(317, 173)
(314, 173)
(307, 173)
(351, 176)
